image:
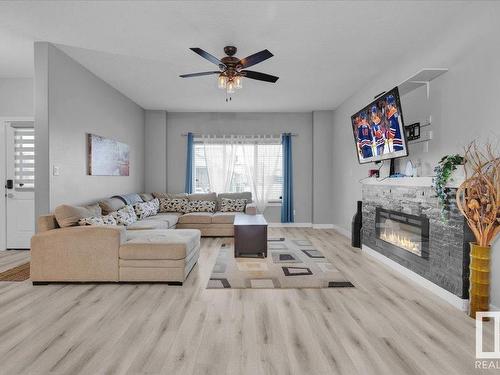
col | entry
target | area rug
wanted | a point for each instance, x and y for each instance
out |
(19, 273)
(290, 263)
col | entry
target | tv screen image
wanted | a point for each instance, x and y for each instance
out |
(378, 129)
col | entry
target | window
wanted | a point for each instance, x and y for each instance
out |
(255, 165)
(24, 159)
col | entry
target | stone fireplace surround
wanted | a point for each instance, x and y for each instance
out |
(447, 264)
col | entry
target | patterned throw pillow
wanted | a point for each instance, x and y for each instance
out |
(98, 220)
(200, 206)
(141, 210)
(173, 205)
(145, 209)
(125, 216)
(154, 204)
(233, 205)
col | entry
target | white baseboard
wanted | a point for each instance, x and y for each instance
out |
(290, 225)
(310, 225)
(459, 303)
(342, 231)
(322, 226)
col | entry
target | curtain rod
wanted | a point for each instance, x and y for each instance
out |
(237, 135)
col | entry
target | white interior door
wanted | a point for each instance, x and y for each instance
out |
(20, 184)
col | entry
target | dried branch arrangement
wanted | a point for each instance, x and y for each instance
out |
(478, 197)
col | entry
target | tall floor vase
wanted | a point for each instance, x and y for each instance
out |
(479, 293)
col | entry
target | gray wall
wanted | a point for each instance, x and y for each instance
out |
(322, 167)
(42, 146)
(71, 102)
(463, 103)
(246, 123)
(16, 97)
(156, 162)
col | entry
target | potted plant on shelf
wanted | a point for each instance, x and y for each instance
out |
(445, 170)
(478, 199)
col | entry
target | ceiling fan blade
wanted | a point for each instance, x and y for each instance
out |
(199, 74)
(255, 58)
(260, 76)
(207, 56)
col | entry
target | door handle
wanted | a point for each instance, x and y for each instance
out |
(10, 184)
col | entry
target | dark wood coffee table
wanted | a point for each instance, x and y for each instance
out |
(250, 236)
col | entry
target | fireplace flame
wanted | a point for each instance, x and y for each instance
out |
(401, 241)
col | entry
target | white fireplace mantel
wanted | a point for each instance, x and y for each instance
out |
(409, 181)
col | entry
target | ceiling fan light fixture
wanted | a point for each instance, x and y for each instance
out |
(238, 82)
(230, 87)
(222, 82)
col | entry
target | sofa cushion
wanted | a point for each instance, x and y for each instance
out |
(171, 217)
(223, 218)
(160, 244)
(173, 205)
(200, 206)
(202, 197)
(146, 197)
(196, 218)
(98, 220)
(95, 209)
(68, 216)
(111, 205)
(170, 195)
(125, 216)
(232, 205)
(149, 224)
(46, 222)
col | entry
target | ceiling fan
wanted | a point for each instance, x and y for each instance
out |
(232, 69)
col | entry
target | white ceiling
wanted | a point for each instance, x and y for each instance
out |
(324, 51)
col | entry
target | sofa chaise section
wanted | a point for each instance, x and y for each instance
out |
(156, 255)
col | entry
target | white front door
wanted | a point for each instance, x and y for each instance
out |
(20, 184)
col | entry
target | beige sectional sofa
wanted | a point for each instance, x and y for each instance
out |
(160, 248)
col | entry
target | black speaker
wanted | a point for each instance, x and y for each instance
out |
(357, 222)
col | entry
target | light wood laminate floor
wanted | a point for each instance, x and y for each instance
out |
(385, 325)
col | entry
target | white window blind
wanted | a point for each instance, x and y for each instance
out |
(24, 159)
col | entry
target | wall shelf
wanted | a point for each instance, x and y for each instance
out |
(421, 78)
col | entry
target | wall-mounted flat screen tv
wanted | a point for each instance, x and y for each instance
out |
(378, 129)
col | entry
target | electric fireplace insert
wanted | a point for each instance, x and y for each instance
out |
(405, 234)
